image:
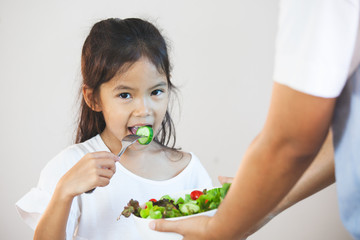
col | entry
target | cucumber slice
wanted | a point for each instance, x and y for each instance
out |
(147, 133)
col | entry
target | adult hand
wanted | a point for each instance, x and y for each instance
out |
(93, 170)
(223, 179)
(194, 228)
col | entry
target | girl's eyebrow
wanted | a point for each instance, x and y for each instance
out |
(122, 87)
(161, 84)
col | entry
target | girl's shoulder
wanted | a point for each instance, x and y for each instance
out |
(183, 159)
(178, 156)
(189, 167)
(69, 156)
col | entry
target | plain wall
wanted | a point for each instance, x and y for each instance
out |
(222, 54)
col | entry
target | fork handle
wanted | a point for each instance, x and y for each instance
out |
(122, 151)
(90, 191)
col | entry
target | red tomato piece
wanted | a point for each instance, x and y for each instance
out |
(196, 194)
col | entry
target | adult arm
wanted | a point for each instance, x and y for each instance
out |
(295, 129)
(319, 175)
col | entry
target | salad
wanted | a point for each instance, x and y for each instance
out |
(167, 207)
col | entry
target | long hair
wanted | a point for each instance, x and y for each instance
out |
(111, 45)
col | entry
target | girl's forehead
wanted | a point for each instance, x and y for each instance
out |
(142, 73)
(143, 68)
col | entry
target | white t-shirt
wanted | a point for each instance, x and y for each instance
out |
(94, 216)
(318, 53)
(315, 45)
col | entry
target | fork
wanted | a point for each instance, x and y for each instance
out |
(125, 143)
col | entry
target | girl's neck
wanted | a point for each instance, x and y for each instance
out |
(112, 143)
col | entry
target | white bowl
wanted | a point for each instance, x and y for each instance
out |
(145, 232)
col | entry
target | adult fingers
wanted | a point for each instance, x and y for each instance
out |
(195, 228)
(162, 225)
(223, 179)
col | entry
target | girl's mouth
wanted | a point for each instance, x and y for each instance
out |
(134, 129)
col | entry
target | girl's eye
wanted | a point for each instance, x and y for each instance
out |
(157, 92)
(124, 95)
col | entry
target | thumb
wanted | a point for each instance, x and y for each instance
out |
(164, 226)
(223, 179)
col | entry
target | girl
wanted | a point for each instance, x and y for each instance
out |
(126, 84)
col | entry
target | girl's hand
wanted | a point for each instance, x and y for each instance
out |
(93, 170)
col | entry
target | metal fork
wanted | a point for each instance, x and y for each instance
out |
(125, 143)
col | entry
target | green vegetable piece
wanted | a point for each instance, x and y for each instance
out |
(225, 188)
(187, 198)
(204, 202)
(167, 197)
(149, 205)
(214, 192)
(171, 212)
(144, 213)
(155, 214)
(148, 134)
(180, 201)
(189, 208)
(214, 205)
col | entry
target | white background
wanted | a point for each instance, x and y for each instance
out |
(222, 54)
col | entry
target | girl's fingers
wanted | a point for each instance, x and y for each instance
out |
(106, 173)
(93, 170)
(103, 155)
(106, 164)
(102, 177)
(103, 160)
(103, 181)
(113, 168)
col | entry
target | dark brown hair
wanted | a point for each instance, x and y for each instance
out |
(111, 46)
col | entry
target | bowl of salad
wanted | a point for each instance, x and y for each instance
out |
(177, 206)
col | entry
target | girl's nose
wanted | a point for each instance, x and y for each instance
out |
(143, 108)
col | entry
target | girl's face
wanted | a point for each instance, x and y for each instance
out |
(134, 98)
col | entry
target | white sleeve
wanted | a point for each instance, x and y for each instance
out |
(33, 204)
(202, 178)
(315, 45)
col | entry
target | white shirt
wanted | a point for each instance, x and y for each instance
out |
(315, 45)
(318, 53)
(94, 216)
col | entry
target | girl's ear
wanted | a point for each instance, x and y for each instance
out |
(90, 99)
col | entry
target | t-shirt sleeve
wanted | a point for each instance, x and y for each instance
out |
(33, 204)
(201, 176)
(315, 44)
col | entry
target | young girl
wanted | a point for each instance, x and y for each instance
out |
(126, 84)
